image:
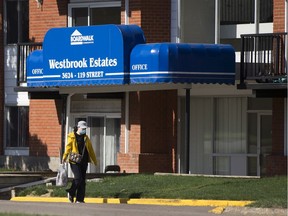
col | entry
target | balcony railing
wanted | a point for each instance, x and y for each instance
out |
(24, 49)
(264, 58)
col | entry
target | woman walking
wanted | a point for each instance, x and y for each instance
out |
(78, 146)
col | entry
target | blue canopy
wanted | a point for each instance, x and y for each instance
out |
(117, 55)
(86, 55)
(182, 63)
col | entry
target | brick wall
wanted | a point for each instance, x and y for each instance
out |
(152, 138)
(279, 16)
(53, 13)
(153, 135)
(45, 127)
(277, 161)
(154, 17)
(156, 20)
(128, 161)
(158, 131)
(44, 116)
(276, 165)
(278, 126)
(1, 79)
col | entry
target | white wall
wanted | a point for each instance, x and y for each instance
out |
(197, 21)
(10, 76)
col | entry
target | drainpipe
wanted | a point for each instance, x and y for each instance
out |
(126, 12)
(187, 130)
(63, 123)
(256, 16)
(217, 22)
(127, 132)
(68, 103)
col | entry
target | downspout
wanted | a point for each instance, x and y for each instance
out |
(286, 60)
(256, 16)
(217, 22)
(68, 104)
(63, 124)
(187, 130)
(127, 132)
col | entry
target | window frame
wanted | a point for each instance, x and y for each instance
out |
(16, 150)
(89, 6)
(19, 27)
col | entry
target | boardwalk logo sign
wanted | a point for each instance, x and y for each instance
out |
(78, 39)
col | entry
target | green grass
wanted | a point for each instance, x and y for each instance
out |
(269, 192)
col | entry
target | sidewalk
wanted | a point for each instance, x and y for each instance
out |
(221, 206)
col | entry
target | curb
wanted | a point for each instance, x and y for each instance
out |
(170, 202)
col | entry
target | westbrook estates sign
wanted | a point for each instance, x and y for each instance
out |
(87, 55)
(118, 54)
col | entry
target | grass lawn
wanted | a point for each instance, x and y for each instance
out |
(268, 192)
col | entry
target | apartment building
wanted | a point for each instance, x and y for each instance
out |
(181, 127)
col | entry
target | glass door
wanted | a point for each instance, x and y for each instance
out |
(104, 133)
(259, 142)
(265, 141)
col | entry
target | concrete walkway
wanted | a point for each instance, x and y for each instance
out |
(221, 206)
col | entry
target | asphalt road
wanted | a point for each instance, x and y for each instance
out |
(91, 209)
(80, 209)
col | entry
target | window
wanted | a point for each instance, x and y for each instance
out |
(17, 122)
(100, 13)
(242, 11)
(17, 20)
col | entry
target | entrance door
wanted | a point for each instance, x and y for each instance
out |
(259, 141)
(265, 141)
(104, 132)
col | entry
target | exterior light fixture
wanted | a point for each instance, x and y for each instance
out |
(39, 3)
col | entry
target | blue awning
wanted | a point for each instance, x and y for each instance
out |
(86, 55)
(182, 63)
(118, 54)
(34, 68)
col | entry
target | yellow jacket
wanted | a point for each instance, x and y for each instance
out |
(72, 146)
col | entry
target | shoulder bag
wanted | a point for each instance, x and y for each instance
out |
(76, 157)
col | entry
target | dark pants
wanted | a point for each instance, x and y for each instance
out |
(79, 182)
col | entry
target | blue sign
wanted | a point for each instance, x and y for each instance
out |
(35, 69)
(182, 63)
(117, 55)
(89, 55)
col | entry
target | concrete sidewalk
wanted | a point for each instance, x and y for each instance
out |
(229, 207)
(219, 205)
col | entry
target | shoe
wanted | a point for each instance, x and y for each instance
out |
(80, 202)
(70, 198)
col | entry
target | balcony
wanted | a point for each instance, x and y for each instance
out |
(23, 51)
(263, 65)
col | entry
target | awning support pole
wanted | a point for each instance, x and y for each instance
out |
(63, 125)
(187, 130)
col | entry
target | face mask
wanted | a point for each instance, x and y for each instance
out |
(82, 132)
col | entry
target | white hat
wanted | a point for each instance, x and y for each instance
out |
(82, 124)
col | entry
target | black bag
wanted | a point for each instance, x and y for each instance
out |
(75, 157)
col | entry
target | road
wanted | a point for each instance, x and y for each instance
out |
(93, 209)
(80, 209)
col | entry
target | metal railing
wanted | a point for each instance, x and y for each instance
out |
(264, 58)
(23, 51)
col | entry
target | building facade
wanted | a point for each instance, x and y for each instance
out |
(233, 130)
